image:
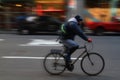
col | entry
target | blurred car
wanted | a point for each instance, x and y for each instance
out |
(34, 24)
(98, 28)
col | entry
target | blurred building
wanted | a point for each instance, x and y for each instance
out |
(9, 9)
(91, 10)
(101, 10)
(51, 7)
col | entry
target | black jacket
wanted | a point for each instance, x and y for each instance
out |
(71, 30)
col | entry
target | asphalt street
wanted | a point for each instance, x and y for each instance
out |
(21, 57)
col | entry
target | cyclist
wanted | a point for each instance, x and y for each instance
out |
(69, 30)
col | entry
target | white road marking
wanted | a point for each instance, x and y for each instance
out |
(26, 57)
(2, 39)
(21, 57)
(42, 42)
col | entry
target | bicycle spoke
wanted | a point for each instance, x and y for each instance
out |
(54, 63)
(93, 64)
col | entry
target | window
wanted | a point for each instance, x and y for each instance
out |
(97, 3)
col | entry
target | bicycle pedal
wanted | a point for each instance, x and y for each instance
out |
(70, 67)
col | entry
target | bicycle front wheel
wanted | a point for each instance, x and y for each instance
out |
(54, 63)
(92, 64)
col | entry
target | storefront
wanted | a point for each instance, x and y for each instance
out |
(101, 10)
(92, 10)
(51, 7)
(9, 9)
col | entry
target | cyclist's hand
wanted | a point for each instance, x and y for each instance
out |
(89, 40)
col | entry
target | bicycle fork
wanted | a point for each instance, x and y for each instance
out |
(90, 59)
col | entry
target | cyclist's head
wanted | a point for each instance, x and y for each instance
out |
(78, 18)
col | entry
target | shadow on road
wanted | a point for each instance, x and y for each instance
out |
(74, 76)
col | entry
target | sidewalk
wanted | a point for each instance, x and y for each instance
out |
(14, 31)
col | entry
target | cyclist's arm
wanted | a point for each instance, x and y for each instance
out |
(79, 32)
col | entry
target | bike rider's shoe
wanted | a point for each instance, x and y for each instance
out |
(69, 65)
(68, 62)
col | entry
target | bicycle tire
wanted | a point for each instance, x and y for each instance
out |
(95, 68)
(54, 63)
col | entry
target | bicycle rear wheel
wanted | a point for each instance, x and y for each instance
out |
(93, 64)
(54, 63)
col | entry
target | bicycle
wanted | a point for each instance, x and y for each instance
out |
(92, 63)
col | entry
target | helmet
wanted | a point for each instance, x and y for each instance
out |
(78, 18)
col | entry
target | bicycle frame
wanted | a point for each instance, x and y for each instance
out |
(83, 53)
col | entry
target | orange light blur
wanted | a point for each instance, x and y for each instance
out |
(18, 5)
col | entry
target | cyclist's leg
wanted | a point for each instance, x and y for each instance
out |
(71, 47)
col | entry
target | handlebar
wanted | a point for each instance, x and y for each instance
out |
(87, 45)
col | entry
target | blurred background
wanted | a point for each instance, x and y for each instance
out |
(90, 10)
